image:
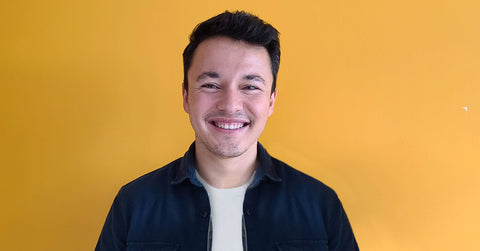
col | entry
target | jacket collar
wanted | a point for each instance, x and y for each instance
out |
(186, 170)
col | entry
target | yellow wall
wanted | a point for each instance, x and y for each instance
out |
(370, 101)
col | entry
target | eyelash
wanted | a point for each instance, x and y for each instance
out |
(209, 86)
(251, 87)
(214, 86)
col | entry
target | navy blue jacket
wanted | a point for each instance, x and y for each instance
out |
(284, 209)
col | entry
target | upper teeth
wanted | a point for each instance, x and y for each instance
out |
(229, 126)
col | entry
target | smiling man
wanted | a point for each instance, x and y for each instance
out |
(227, 192)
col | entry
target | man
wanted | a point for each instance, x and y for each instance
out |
(226, 192)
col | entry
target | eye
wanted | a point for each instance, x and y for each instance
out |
(209, 86)
(250, 88)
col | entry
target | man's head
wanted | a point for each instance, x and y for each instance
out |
(230, 81)
(239, 26)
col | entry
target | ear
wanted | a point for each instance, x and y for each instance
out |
(185, 98)
(273, 97)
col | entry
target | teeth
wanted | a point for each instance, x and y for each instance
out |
(229, 126)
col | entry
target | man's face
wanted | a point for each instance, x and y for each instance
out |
(229, 95)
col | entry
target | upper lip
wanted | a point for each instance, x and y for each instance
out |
(228, 120)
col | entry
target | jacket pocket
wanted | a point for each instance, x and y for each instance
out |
(152, 246)
(302, 245)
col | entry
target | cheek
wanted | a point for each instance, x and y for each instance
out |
(200, 104)
(204, 101)
(260, 108)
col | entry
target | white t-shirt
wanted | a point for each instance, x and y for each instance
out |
(226, 214)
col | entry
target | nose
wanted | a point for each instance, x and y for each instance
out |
(230, 101)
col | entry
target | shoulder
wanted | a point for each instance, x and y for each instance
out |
(304, 191)
(150, 183)
(302, 184)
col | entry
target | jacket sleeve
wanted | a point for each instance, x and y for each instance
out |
(340, 233)
(114, 233)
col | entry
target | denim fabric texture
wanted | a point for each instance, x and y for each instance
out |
(284, 209)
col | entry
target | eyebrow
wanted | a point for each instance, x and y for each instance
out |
(254, 77)
(208, 74)
(212, 74)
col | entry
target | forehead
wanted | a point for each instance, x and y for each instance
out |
(224, 41)
(225, 55)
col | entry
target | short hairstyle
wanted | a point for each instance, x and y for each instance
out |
(238, 25)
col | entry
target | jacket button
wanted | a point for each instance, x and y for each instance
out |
(249, 212)
(204, 214)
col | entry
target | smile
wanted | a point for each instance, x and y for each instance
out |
(229, 126)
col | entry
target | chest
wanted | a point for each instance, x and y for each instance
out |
(272, 219)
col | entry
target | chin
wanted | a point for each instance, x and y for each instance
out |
(230, 151)
(226, 150)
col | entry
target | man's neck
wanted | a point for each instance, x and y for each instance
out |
(222, 172)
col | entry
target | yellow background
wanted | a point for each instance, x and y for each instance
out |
(370, 101)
